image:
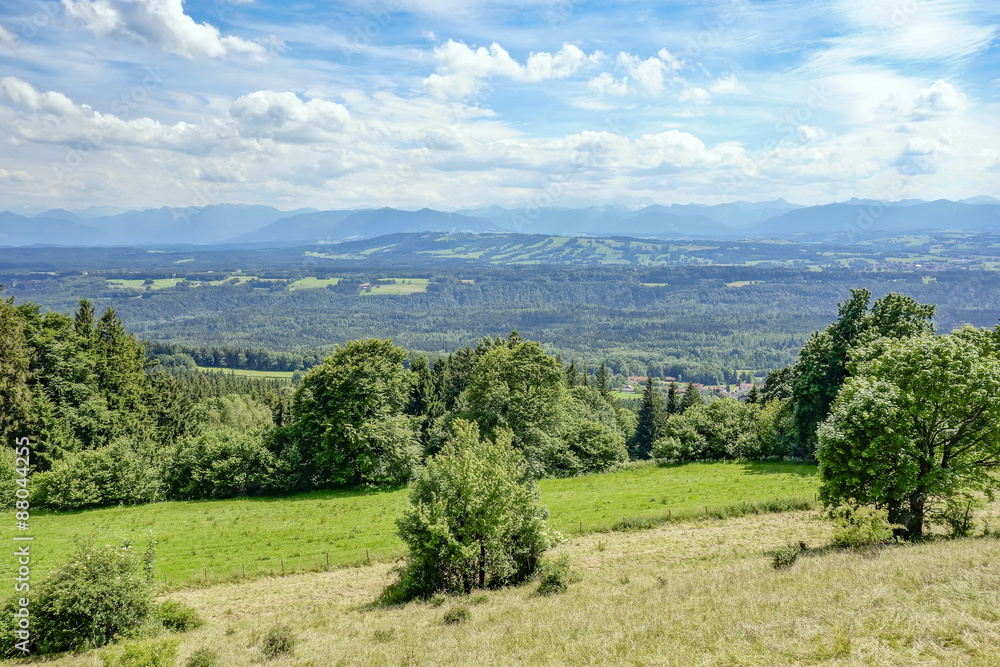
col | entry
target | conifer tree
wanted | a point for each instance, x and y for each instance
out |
(571, 374)
(603, 381)
(673, 400)
(650, 424)
(692, 397)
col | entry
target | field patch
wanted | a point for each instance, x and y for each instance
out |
(215, 539)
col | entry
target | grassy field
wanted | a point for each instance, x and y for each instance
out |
(313, 283)
(683, 594)
(401, 286)
(256, 374)
(216, 539)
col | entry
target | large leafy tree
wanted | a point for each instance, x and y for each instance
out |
(914, 425)
(474, 519)
(517, 387)
(822, 365)
(349, 415)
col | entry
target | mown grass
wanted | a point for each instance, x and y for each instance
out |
(400, 287)
(313, 283)
(700, 593)
(287, 375)
(220, 540)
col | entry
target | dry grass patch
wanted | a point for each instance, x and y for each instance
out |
(683, 594)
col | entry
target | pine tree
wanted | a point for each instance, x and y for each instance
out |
(571, 374)
(603, 381)
(673, 400)
(585, 379)
(753, 396)
(650, 424)
(84, 321)
(692, 397)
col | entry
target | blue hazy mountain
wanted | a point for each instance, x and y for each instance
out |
(852, 220)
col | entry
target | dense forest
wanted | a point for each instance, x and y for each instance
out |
(689, 322)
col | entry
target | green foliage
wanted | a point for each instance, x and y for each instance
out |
(203, 657)
(234, 411)
(457, 614)
(649, 428)
(822, 365)
(100, 594)
(474, 520)
(348, 415)
(556, 576)
(721, 429)
(915, 425)
(219, 463)
(178, 617)
(786, 556)
(279, 641)
(149, 653)
(517, 387)
(856, 526)
(958, 514)
(117, 474)
(15, 360)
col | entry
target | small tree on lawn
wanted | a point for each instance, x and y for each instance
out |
(474, 520)
(915, 424)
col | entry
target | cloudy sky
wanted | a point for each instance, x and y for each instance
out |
(457, 103)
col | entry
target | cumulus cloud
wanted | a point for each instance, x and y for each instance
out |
(695, 94)
(162, 23)
(462, 70)
(7, 36)
(940, 98)
(728, 85)
(16, 176)
(921, 156)
(640, 76)
(270, 114)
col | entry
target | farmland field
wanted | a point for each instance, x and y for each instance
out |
(215, 539)
(401, 286)
(678, 595)
(248, 373)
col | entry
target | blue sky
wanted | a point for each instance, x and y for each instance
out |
(449, 103)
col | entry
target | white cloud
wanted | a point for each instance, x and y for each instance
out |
(728, 85)
(921, 156)
(272, 114)
(7, 36)
(462, 70)
(695, 94)
(640, 76)
(16, 176)
(807, 134)
(162, 23)
(940, 98)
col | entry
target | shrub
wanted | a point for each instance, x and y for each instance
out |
(278, 641)
(153, 653)
(474, 520)
(457, 614)
(203, 657)
(859, 526)
(219, 463)
(100, 594)
(587, 447)
(177, 617)
(113, 475)
(785, 557)
(958, 514)
(556, 576)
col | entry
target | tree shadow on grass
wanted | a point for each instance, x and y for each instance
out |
(779, 468)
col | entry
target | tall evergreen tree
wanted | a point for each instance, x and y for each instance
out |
(15, 361)
(650, 425)
(603, 381)
(673, 400)
(84, 320)
(572, 376)
(692, 397)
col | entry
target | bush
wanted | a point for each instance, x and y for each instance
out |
(177, 617)
(153, 653)
(958, 514)
(588, 447)
(785, 557)
(100, 594)
(219, 463)
(203, 657)
(457, 614)
(556, 576)
(474, 520)
(860, 526)
(278, 641)
(113, 475)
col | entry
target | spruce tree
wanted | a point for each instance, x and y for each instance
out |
(650, 425)
(673, 400)
(603, 381)
(571, 374)
(692, 397)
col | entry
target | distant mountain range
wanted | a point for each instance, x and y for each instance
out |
(853, 220)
